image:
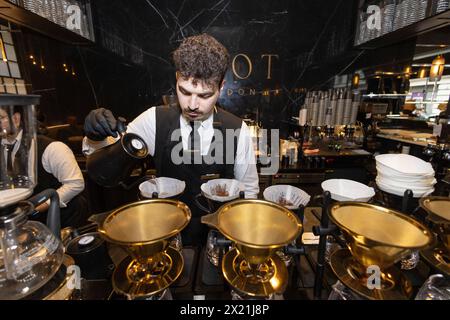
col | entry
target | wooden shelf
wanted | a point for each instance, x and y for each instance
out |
(30, 20)
(428, 24)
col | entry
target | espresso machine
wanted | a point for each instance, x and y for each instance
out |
(32, 260)
(332, 116)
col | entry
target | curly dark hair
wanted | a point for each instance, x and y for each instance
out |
(202, 58)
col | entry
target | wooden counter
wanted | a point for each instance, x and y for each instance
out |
(408, 136)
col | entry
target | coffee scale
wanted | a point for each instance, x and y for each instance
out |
(376, 238)
(33, 264)
(257, 229)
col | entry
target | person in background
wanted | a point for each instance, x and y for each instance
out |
(56, 167)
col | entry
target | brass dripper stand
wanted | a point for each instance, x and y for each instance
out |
(258, 229)
(376, 238)
(144, 229)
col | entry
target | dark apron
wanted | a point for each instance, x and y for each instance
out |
(168, 120)
(194, 175)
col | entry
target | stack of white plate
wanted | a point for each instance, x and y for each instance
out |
(400, 172)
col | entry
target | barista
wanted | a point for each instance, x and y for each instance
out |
(57, 169)
(201, 63)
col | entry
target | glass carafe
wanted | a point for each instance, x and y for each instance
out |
(18, 148)
(30, 254)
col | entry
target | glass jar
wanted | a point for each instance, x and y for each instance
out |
(30, 254)
(18, 148)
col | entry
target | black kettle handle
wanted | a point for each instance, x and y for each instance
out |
(53, 213)
(199, 205)
(121, 127)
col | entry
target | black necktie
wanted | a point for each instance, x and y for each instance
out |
(9, 157)
(194, 141)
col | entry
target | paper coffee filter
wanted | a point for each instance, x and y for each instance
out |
(286, 195)
(165, 187)
(348, 190)
(222, 189)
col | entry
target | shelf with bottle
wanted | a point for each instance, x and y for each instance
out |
(384, 95)
(52, 19)
(381, 23)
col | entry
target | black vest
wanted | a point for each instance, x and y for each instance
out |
(168, 120)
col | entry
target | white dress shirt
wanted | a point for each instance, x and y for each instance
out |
(145, 126)
(59, 161)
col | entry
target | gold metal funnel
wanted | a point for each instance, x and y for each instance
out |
(143, 229)
(437, 206)
(257, 227)
(379, 236)
(438, 209)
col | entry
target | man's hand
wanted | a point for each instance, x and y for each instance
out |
(99, 124)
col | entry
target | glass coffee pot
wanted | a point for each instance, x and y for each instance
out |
(18, 173)
(30, 252)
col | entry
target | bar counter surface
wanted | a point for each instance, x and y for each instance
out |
(408, 136)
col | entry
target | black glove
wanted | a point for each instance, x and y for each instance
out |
(99, 124)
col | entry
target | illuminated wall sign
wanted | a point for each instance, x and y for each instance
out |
(242, 67)
(246, 59)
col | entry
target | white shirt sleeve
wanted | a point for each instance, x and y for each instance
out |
(59, 161)
(145, 127)
(245, 163)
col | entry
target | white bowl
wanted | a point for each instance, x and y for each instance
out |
(423, 181)
(232, 186)
(165, 187)
(405, 164)
(403, 187)
(282, 193)
(348, 190)
(401, 191)
(391, 172)
(426, 184)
